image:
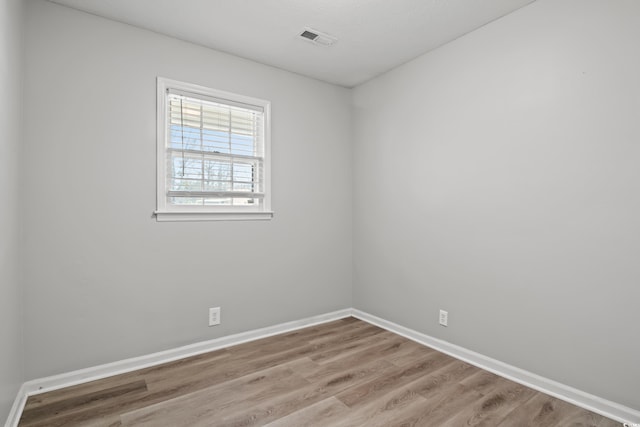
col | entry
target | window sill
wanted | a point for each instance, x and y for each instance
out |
(163, 216)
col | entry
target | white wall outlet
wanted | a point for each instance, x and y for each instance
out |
(444, 318)
(214, 316)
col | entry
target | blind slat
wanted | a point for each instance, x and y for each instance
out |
(212, 155)
(243, 194)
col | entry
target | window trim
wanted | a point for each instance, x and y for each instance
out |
(166, 212)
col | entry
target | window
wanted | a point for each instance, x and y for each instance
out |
(213, 154)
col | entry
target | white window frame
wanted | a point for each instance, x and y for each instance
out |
(168, 212)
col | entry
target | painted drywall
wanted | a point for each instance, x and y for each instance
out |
(11, 373)
(103, 280)
(498, 178)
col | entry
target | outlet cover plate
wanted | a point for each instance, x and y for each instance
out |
(214, 316)
(444, 318)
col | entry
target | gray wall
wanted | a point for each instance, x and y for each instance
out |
(498, 178)
(104, 280)
(11, 16)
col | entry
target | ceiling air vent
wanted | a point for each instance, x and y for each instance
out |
(318, 37)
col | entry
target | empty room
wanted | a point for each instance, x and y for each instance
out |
(320, 213)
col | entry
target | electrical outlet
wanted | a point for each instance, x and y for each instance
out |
(444, 318)
(214, 316)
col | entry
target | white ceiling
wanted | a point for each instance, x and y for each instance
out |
(374, 36)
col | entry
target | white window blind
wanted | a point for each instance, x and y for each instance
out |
(214, 149)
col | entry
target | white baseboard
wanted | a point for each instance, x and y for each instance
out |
(55, 382)
(564, 392)
(569, 394)
(17, 407)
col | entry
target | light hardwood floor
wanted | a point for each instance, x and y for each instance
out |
(342, 373)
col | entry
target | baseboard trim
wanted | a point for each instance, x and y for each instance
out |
(564, 392)
(17, 407)
(561, 391)
(80, 376)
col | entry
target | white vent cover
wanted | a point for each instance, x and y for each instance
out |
(318, 37)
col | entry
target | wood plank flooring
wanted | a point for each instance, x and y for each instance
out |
(343, 373)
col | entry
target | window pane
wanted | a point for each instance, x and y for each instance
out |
(241, 201)
(213, 201)
(215, 141)
(186, 201)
